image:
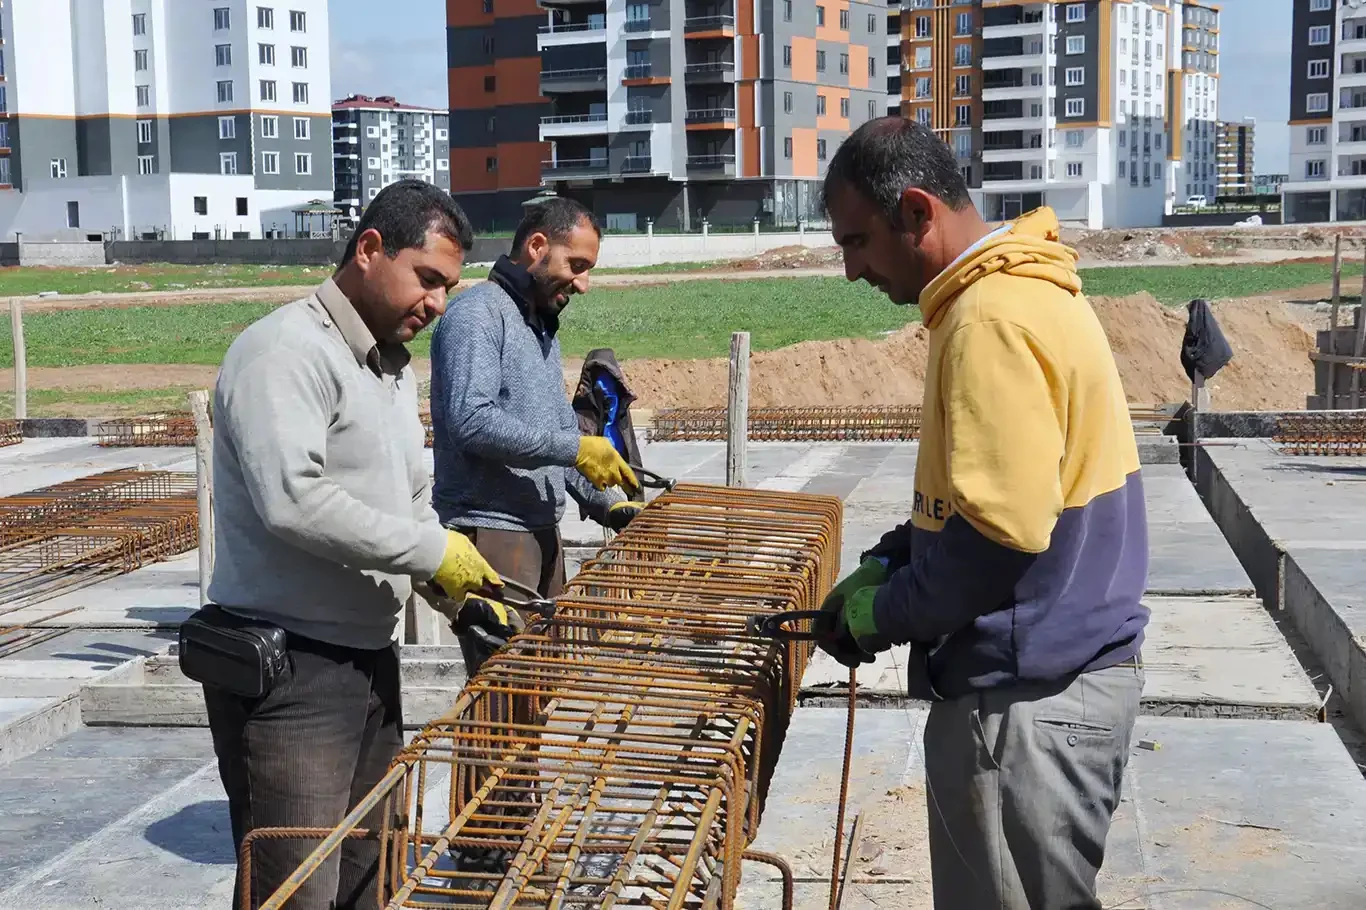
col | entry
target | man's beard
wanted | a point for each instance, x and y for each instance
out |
(548, 292)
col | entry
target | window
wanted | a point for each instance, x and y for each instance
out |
(144, 131)
(787, 147)
(820, 149)
(787, 102)
(844, 107)
(844, 64)
(225, 91)
(922, 116)
(146, 165)
(844, 20)
(227, 162)
(222, 54)
(1076, 12)
(268, 90)
(270, 162)
(227, 127)
(265, 17)
(303, 163)
(1319, 35)
(872, 66)
(73, 214)
(1122, 166)
(1076, 139)
(1320, 6)
(488, 6)
(922, 87)
(222, 19)
(201, 205)
(962, 145)
(298, 22)
(1316, 103)
(139, 23)
(145, 94)
(489, 42)
(872, 110)
(1316, 135)
(872, 22)
(787, 55)
(57, 167)
(443, 164)
(490, 83)
(298, 57)
(372, 132)
(1124, 138)
(1076, 75)
(1076, 44)
(1076, 107)
(1157, 168)
(922, 26)
(820, 61)
(820, 15)
(241, 206)
(962, 86)
(962, 115)
(963, 24)
(922, 58)
(787, 10)
(1313, 169)
(140, 61)
(303, 128)
(266, 54)
(301, 93)
(1074, 168)
(1318, 69)
(1052, 76)
(820, 105)
(1123, 77)
(270, 126)
(372, 163)
(962, 55)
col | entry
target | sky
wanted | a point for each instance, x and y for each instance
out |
(405, 56)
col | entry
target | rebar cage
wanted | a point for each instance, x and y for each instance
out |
(1321, 433)
(888, 423)
(618, 753)
(11, 433)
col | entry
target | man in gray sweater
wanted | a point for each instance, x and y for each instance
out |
(506, 439)
(322, 522)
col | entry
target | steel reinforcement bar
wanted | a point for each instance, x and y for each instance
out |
(617, 754)
(11, 433)
(174, 428)
(32, 514)
(885, 424)
(1321, 433)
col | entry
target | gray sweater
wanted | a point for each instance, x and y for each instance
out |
(321, 504)
(505, 434)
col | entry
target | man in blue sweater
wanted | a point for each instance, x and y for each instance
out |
(506, 439)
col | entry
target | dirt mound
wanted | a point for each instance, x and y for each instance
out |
(787, 257)
(1270, 369)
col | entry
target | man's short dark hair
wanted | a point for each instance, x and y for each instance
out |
(556, 218)
(886, 156)
(405, 212)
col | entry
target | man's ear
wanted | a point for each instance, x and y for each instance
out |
(369, 245)
(917, 211)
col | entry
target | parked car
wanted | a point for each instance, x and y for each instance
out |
(1196, 202)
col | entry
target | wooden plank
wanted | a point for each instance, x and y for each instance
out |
(203, 462)
(1360, 347)
(737, 410)
(1330, 398)
(16, 324)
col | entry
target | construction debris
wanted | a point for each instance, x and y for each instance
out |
(1322, 433)
(617, 754)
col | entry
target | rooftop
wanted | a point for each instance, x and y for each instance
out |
(380, 103)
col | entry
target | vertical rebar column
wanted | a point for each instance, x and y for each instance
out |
(737, 410)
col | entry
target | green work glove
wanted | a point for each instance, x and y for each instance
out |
(840, 643)
(870, 572)
(858, 619)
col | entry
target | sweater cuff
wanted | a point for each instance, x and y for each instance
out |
(564, 449)
(431, 550)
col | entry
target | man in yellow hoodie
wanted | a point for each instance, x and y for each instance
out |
(1018, 579)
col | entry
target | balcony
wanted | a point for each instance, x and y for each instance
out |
(719, 165)
(1011, 22)
(1015, 153)
(643, 117)
(574, 80)
(1016, 92)
(558, 33)
(709, 27)
(573, 125)
(710, 71)
(1026, 59)
(636, 164)
(567, 168)
(720, 117)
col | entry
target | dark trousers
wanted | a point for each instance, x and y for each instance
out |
(303, 756)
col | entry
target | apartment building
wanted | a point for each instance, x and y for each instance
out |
(162, 118)
(895, 57)
(1193, 102)
(1327, 180)
(670, 111)
(1235, 151)
(377, 141)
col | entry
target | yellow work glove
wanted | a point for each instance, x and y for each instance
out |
(603, 465)
(463, 571)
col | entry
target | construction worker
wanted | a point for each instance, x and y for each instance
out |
(322, 523)
(506, 438)
(1017, 580)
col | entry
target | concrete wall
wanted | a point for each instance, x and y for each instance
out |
(1218, 219)
(52, 253)
(276, 252)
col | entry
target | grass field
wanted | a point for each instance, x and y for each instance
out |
(683, 320)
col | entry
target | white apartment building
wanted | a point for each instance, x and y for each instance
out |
(1073, 99)
(174, 119)
(378, 141)
(1193, 101)
(1327, 180)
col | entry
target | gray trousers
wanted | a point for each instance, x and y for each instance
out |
(1023, 782)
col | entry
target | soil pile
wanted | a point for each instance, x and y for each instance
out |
(1270, 368)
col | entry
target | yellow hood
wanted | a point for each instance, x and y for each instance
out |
(1029, 249)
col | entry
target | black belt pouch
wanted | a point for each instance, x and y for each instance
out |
(228, 652)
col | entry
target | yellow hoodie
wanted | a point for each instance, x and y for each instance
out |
(1026, 556)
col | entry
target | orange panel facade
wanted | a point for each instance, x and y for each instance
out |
(834, 97)
(831, 31)
(467, 88)
(519, 164)
(469, 170)
(803, 59)
(519, 80)
(858, 66)
(803, 153)
(466, 12)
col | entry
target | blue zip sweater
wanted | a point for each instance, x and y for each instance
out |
(505, 434)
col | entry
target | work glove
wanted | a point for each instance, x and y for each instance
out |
(621, 514)
(840, 643)
(499, 620)
(600, 462)
(463, 571)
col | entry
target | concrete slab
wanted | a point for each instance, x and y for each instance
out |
(1298, 524)
(1267, 809)
(159, 596)
(42, 462)
(1205, 657)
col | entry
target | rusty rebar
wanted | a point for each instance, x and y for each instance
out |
(1321, 433)
(11, 433)
(172, 428)
(618, 753)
